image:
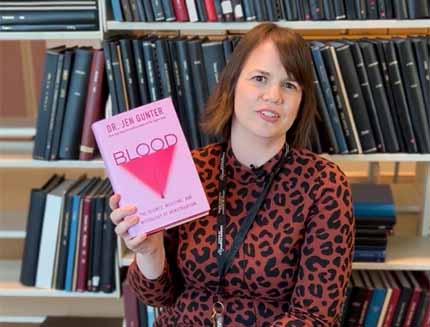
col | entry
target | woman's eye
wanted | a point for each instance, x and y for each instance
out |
(259, 78)
(290, 86)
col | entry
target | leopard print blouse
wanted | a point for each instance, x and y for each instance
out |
(295, 262)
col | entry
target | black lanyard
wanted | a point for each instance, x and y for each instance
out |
(225, 259)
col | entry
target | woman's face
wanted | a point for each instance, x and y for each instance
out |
(267, 98)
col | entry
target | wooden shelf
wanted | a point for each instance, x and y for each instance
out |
(92, 35)
(299, 25)
(12, 227)
(11, 287)
(403, 253)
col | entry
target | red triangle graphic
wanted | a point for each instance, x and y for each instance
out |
(153, 169)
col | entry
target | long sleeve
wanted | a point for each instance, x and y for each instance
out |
(326, 254)
(164, 290)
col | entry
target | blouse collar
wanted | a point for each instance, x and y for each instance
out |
(244, 174)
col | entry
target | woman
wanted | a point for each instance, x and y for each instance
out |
(278, 252)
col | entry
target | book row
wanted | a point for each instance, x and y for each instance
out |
(265, 10)
(373, 95)
(375, 218)
(387, 298)
(48, 16)
(70, 241)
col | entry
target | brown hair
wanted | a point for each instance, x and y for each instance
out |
(296, 59)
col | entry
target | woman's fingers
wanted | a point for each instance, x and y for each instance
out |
(114, 201)
(122, 228)
(135, 243)
(119, 214)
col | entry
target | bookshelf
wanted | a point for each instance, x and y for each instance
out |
(403, 253)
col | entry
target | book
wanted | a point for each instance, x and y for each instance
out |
(151, 137)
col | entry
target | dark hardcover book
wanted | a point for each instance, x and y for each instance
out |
(116, 10)
(110, 77)
(94, 107)
(389, 10)
(423, 310)
(367, 95)
(386, 78)
(126, 9)
(290, 10)
(372, 9)
(168, 11)
(339, 9)
(97, 236)
(421, 52)
(271, 10)
(329, 12)
(140, 71)
(20, 17)
(316, 8)
(198, 74)
(179, 100)
(54, 109)
(339, 93)
(372, 193)
(418, 9)
(218, 10)
(117, 76)
(62, 100)
(360, 298)
(249, 10)
(351, 13)
(399, 97)
(140, 11)
(45, 102)
(107, 278)
(135, 11)
(333, 146)
(304, 9)
(189, 96)
(131, 307)
(400, 9)
(213, 57)
(405, 296)
(227, 44)
(33, 230)
(382, 10)
(130, 74)
(414, 94)
(201, 11)
(379, 95)
(143, 314)
(414, 302)
(346, 305)
(328, 97)
(73, 119)
(369, 256)
(63, 236)
(149, 10)
(148, 49)
(164, 68)
(355, 96)
(361, 9)
(315, 144)
(260, 10)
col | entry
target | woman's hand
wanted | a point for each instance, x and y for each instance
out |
(124, 218)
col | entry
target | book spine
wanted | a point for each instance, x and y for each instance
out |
(148, 10)
(211, 10)
(329, 10)
(316, 8)
(45, 105)
(350, 10)
(372, 9)
(271, 10)
(129, 73)
(83, 247)
(140, 71)
(110, 78)
(238, 10)
(418, 9)
(158, 10)
(97, 245)
(400, 9)
(117, 11)
(164, 68)
(249, 10)
(358, 106)
(201, 11)
(227, 10)
(117, 77)
(136, 11)
(180, 10)
(126, 9)
(107, 278)
(192, 11)
(151, 70)
(382, 10)
(72, 127)
(94, 105)
(260, 10)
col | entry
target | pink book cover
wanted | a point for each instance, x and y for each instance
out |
(149, 164)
